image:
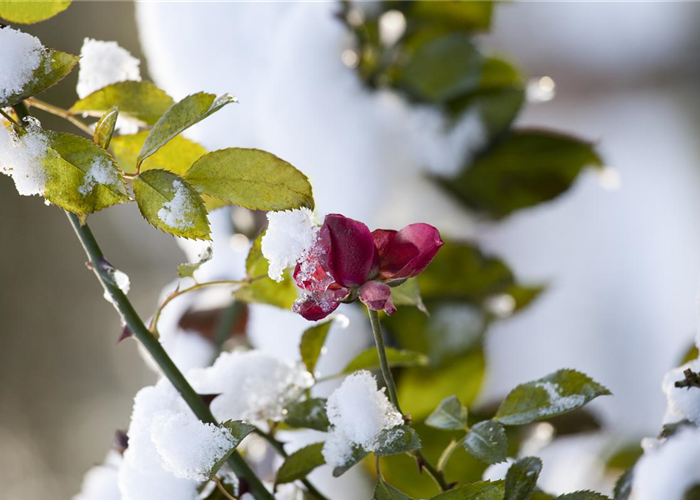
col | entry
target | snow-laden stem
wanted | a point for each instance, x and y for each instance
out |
(422, 460)
(132, 320)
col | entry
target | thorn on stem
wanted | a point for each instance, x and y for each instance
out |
(126, 333)
(208, 398)
(421, 463)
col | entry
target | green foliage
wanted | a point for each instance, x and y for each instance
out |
(30, 12)
(312, 344)
(440, 66)
(481, 490)
(358, 454)
(369, 360)
(454, 14)
(308, 414)
(188, 269)
(450, 414)
(557, 393)
(54, 66)
(176, 156)
(583, 495)
(181, 116)
(487, 442)
(385, 491)
(155, 190)
(669, 430)
(521, 478)
(300, 463)
(104, 130)
(251, 178)
(626, 456)
(408, 294)
(523, 169)
(397, 440)
(142, 101)
(68, 185)
(422, 389)
(239, 430)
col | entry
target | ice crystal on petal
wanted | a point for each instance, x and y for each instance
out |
(358, 413)
(289, 239)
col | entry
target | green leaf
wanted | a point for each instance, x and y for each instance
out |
(450, 415)
(480, 490)
(408, 294)
(177, 156)
(181, 116)
(557, 393)
(300, 463)
(188, 269)
(105, 128)
(30, 12)
(454, 14)
(251, 178)
(369, 360)
(268, 291)
(669, 430)
(461, 272)
(521, 478)
(525, 168)
(487, 442)
(256, 264)
(440, 66)
(239, 430)
(312, 343)
(54, 66)
(385, 491)
(358, 454)
(82, 177)
(422, 389)
(142, 101)
(623, 485)
(583, 495)
(308, 414)
(170, 204)
(397, 440)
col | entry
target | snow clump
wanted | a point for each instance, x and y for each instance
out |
(288, 240)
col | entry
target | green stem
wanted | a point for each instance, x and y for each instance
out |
(132, 320)
(393, 397)
(447, 453)
(283, 453)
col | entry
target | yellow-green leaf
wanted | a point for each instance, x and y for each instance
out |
(55, 65)
(191, 110)
(251, 178)
(312, 344)
(142, 101)
(369, 359)
(82, 177)
(105, 128)
(30, 12)
(267, 291)
(176, 156)
(169, 203)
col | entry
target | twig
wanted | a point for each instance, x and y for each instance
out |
(60, 112)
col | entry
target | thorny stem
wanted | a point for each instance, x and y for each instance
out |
(154, 322)
(279, 447)
(421, 459)
(60, 112)
(132, 320)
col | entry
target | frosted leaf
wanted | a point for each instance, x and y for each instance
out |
(100, 172)
(100, 482)
(176, 213)
(358, 413)
(20, 55)
(189, 449)
(289, 238)
(21, 157)
(557, 402)
(104, 63)
(254, 385)
(667, 471)
(683, 402)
